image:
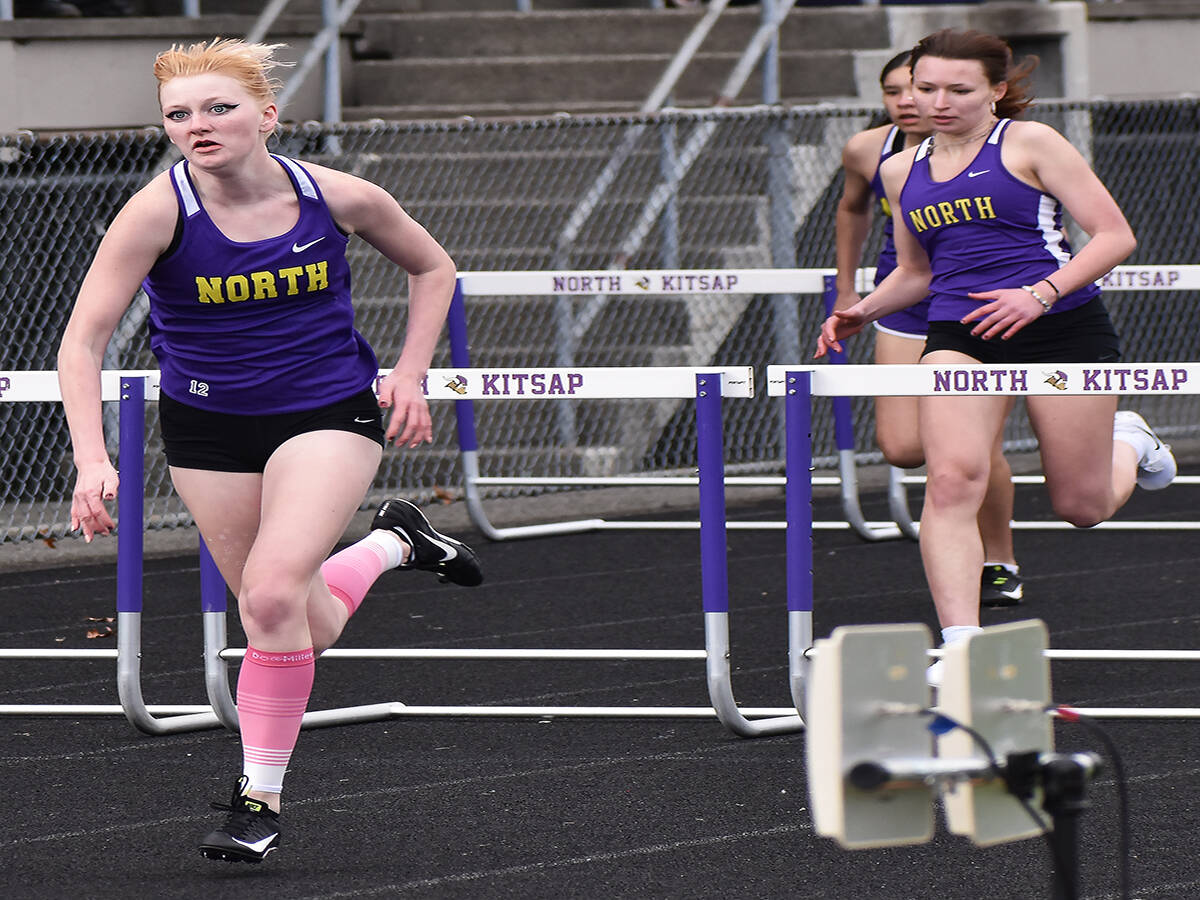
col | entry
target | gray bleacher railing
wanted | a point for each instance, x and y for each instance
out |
(497, 194)
(189, 8)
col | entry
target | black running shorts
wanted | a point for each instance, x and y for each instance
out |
(1081, 335)
(223, 442)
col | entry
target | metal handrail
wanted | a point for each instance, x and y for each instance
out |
(683, 160)
(654, 102)
(265, 20)
(334, 17)
(324, 44)
(700, 138)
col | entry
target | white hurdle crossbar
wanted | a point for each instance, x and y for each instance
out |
(707, 386)
(800, 384)
(599, 284)
(1147, 278)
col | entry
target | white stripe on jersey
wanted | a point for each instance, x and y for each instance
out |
(191, 205)
(1052, 237)
(889, 144)
(307, 188)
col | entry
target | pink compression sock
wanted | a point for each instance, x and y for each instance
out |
(272, 693)
(351, 572)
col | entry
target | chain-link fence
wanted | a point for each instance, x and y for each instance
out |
(713, 189)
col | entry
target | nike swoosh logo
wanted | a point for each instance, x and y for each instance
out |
(450, 552)
(977, 174)
(300, 248)
(363, 421)
(257, 846)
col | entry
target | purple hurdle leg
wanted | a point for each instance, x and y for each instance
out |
(464, 415)
(798, 503)
(843, 431)
(714, 567)
(213, 604)
(130, 548)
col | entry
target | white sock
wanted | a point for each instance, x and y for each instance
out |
(953, 633)
(390, 543)
(1012, 568)
(1141, 442)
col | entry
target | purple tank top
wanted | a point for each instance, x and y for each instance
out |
(260, 326)
(912, 320)
(892, 144)
(984, 230)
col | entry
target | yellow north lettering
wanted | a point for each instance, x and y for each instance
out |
(946, 208)
(917, 220)
(237, 288)
(264, 285)
(931, 215)
(291, 275)
(208, 290)
(984, 206)
(318, 275)
(964, 207)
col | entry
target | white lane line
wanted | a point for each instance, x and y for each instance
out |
(543, 865)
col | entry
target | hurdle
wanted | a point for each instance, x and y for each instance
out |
(1149, 278)
(706, 385)
(129, 389)
(799, 385)
(598, 286)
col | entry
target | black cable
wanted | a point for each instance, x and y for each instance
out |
(1069, 715)
(1060, 865)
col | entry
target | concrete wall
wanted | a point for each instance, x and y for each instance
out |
(1145, 57)
(1056, 32)
(97, 73)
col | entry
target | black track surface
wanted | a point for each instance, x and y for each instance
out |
(457, 807)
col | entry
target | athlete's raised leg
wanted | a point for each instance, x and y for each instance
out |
(1089, 476)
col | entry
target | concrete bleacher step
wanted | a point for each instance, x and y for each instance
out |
(450, 58)
(311, 7)
(403, 112)
(715, 222)
(493, 64)
(539, 223)
(554, 167)
(446, 64)
(551, 81)
(602, 32)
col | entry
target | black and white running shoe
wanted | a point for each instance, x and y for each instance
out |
(1000, 587)
(250, 832)
(431, 550)
(1156, 467)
